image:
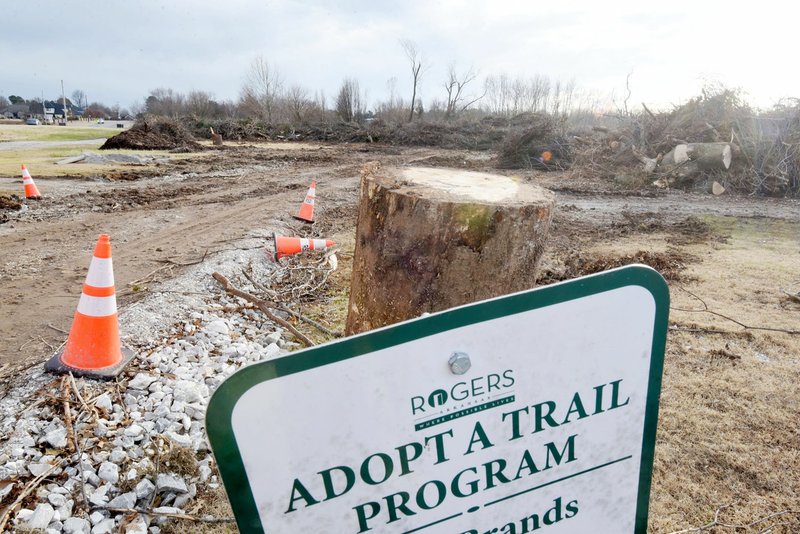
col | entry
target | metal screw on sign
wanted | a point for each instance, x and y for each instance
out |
(459, 363)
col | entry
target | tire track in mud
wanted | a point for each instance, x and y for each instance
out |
(46, 259)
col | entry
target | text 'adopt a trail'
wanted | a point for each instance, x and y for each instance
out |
(378, 468)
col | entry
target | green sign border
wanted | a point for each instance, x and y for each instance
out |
(220, 407)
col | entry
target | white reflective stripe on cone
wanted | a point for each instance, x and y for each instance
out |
(97, 306)
(304, 245)
(319, 244)
(309, 200)
(27, 181)
(101, 273)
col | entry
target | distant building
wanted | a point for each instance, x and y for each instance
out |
(16, 111)
(57, 107)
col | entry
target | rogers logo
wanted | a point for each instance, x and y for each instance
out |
(461, 391)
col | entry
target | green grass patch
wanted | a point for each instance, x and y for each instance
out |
(74, 134)
(45, 132)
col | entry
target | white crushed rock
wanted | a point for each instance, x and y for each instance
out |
(189, 336)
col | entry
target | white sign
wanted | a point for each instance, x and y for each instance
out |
(551, 428)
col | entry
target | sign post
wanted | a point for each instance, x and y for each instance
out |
(530, 412)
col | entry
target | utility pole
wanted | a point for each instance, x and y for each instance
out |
(64, 100)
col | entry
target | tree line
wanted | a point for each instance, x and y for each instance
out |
(266, 96)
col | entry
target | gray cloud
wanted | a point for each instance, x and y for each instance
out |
(117, 51)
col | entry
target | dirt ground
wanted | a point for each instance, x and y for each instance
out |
(728, 438)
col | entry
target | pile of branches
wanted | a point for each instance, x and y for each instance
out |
(483, 134)
(154, 133)
(535, 144)
(765, 147)
(280, 291)
(770, 146)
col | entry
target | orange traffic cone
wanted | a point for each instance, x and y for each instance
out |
(93, 347)
(286, 246)
(307, 207)
(31, 191)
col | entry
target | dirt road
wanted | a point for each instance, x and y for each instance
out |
(209, 203)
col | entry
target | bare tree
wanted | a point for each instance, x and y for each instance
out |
(395, 108)
(540, 92)
(349, 104)
(298, 103)
(417, 70)
(508, 97)
(454, 86)
(79, 98)
(200, 104)
(164, 101)
(261, 90)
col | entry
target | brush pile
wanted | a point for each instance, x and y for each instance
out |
(154, 133)
(714, 138)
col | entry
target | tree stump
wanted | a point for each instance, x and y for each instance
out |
(431, 239)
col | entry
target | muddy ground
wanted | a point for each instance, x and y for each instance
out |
(728, 432)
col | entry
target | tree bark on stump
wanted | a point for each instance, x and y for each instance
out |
(430, 239)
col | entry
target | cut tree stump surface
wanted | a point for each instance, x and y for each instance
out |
(431, 239)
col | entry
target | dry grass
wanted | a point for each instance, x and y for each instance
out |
(729, 423)
(728, 428)
(213, 503)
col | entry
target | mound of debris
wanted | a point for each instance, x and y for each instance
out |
(535, 146)
(714, 142)
(9, 204)
(670, 264)
(154, 133)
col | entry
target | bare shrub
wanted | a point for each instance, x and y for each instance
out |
(534, 144)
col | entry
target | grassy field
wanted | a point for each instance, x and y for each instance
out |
(22, 132)
(54, 143)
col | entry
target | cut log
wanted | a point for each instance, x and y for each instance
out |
(698, 157)
(684, 162)
(430, 239)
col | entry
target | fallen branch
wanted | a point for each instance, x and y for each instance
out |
(43, 340)
(32, 485)
(262, 305)
(92, 411)
(186, 264)
(648, 111)
(257, 285)
(792, 296)
(731, 319)
(204, 519)
(698, 330)
(717, 523)
(57, 329)
(284, 307)
(65, 395)
(312, 322)
(86, 504)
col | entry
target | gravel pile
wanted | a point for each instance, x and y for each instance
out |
(141, 439)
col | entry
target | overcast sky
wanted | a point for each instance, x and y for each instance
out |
(118, 50)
